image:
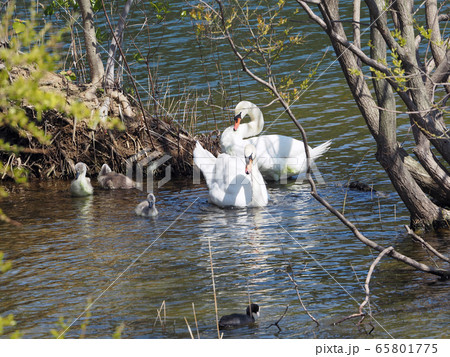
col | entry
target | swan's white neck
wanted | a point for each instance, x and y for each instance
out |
(231, 140)
(257, 196)
(256, 124)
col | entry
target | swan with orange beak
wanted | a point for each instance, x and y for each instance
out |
(249, 157)
(232, 181)
(280, 156)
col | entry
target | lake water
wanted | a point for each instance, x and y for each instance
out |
(69, 250)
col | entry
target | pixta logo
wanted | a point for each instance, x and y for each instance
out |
(281, 170)
(142, 167)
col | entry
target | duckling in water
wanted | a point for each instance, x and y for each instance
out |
(81, 186)
(237, 320)
(111, 180)
(147, 208)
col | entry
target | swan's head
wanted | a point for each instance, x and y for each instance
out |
(250, 154)
(104, 170)
(80, 168)
(241, 111)
(151, 199)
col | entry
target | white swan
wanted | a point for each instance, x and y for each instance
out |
(81, 186)
(147, 208)
(112, 180)
(232, 181)
(279, 156)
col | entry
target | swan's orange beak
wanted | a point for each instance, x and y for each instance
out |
(248, 167)
(237, 121)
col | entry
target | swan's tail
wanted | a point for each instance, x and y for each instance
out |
(318, 151)
(205, 161)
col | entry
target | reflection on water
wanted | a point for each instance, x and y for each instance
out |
(71, 249)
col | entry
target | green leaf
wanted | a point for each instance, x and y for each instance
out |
(19, 26)
(69, 75)
(118, 333)
(138, 57)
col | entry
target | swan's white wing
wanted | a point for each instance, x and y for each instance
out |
(320, 150)
(278, 155)
(205, 161)
(226, 179)
(282, 156)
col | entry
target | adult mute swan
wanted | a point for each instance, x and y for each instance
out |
(147, 208)
(232, 181)
(112, 180)
(81, 186)
(279, 156)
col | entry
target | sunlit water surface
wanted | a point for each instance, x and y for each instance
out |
(152, 274)
(70, 250)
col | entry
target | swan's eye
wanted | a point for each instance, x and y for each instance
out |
(238, 116)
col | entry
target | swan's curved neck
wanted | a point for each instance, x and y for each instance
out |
(256, 124)
(256, 188)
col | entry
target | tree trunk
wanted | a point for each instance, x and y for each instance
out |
(118, 34)
(92, 53)
(382, 122)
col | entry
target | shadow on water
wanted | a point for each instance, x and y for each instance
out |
(70, 249)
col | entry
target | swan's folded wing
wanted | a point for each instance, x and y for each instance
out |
(321, 149)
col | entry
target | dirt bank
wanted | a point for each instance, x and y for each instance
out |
(73, 142)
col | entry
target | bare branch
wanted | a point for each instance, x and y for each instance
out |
(369, 275)
(392, 253)
(440, 75)
(312, 15)
(300, 299)
(118, 33)
(430, 163)
(356, 25)
(278, 321)
(436, 43)
(366, 289)
(426, 245)
(144, 117)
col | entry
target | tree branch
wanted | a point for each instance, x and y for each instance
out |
(440, 75)
(90, 39)
(144, 117)
(278, 321)
(438, 50)
(426, 245)
(118, 33)
(392, 253)
(369, 275)
(366, 288)
(312, 15)
(356, 25)
(300, 299)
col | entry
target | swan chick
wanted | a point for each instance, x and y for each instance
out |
(111, 180)
(147, 208)
(81, 186)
